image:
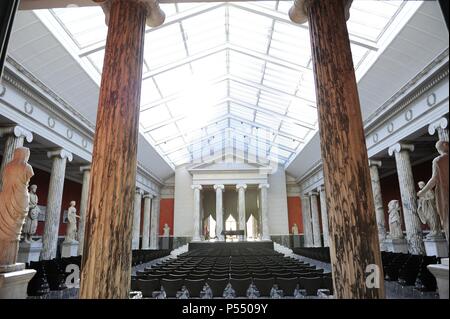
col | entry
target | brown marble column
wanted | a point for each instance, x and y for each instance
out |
(354, 243)
(106, 265)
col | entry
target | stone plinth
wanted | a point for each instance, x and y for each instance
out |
(296, 241)
(441, 274)
(14, 281)
(29, 251)
(396, 245)
(165, 242)
(69, 249)
(436, 247)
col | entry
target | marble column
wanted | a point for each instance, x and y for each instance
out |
(86, 170)
(308, 238)
(265, 234)
(219, 211)
(197, 236)
(154, 223)
(241, 208)
(378, 201)
(441, 127)
(137, 218)
(54, 202)
(408, 196)
(15, 137)
(315, 219)
(146, 223)
(324, 214)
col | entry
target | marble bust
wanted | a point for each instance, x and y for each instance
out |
(166, 230)
(14, 199)
(426, 209)
(439, 182)
(395, 220)
(295, 229)
(71, 230)
(31, 221)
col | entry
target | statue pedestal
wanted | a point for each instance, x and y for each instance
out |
(14, 281)
(69, 249)
(29, 251)
(436, 247)
(396, 245)
(441, 274)
(296, 241)
(165, 243)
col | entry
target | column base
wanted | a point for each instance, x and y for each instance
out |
(14, 281)
(69, 249)
(441, 274)
(396, 245)
(29, 251)
(436, 247)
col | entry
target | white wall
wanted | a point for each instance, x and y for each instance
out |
(184, 204)
(277, 198)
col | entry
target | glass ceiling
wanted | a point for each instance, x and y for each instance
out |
(220, 76)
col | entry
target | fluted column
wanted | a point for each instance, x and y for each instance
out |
(219, 210)
(86, 170)
(408, 195)
(137, 218)
(441, 127)
(241, 208)
(15, 137)
(324, 214)
(197, 228)
(307, 223)
(154, 223)
(378, 200)
(315, 219)
(146, 223)
(55, 192)
(265, 235)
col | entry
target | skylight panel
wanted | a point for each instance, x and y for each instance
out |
(154, 116)
(172, 145)
(163, 132)
(174, 80)
(267, 120)
(149, 93)
(241, 111)
(294, 129)
(284, 141)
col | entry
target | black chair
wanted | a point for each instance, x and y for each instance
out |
(217, 286)
(311, 285)
(134, 284)
(264, 285)
(171, 286)
(240, 286)
(327, 283)
(240, 275)
(288, 285)
(194, 286)
(147, 287)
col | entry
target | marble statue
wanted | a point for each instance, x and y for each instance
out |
(183, 293)
(252, 292)
(395, 220)
(439, 182)
(276, 293)
(31, 221)
(14, 199)
(426, 209)
(71, 230)
(206, 292)
(295, 229)
(229, 292)
(166, 230)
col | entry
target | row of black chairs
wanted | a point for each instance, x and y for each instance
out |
(410, 270)
(317, 253)
(142, 256)
(230, 252)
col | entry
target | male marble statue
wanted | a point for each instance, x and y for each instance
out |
(295, 229)
(31, 221)
(427, 212)
(439, 181)
(395, 220)
(166, 230)
(71, 230)
(14, 200)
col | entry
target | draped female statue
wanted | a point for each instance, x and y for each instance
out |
(395, 220)
(14, 204)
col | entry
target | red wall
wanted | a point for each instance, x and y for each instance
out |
(295, 213)
(166, 214)
(72, 191)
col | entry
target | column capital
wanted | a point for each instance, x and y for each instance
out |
(221, 187)
(239, 186)
(139, 191)
(267, 186)
(398, 147)
(321, 188)
(85, 168)
(61, 153)
(313, 193)
(375, 163)
(17, 131)
(298, 13)
(442, 123)
(155, 16)
(147, 195)
(195, 187)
